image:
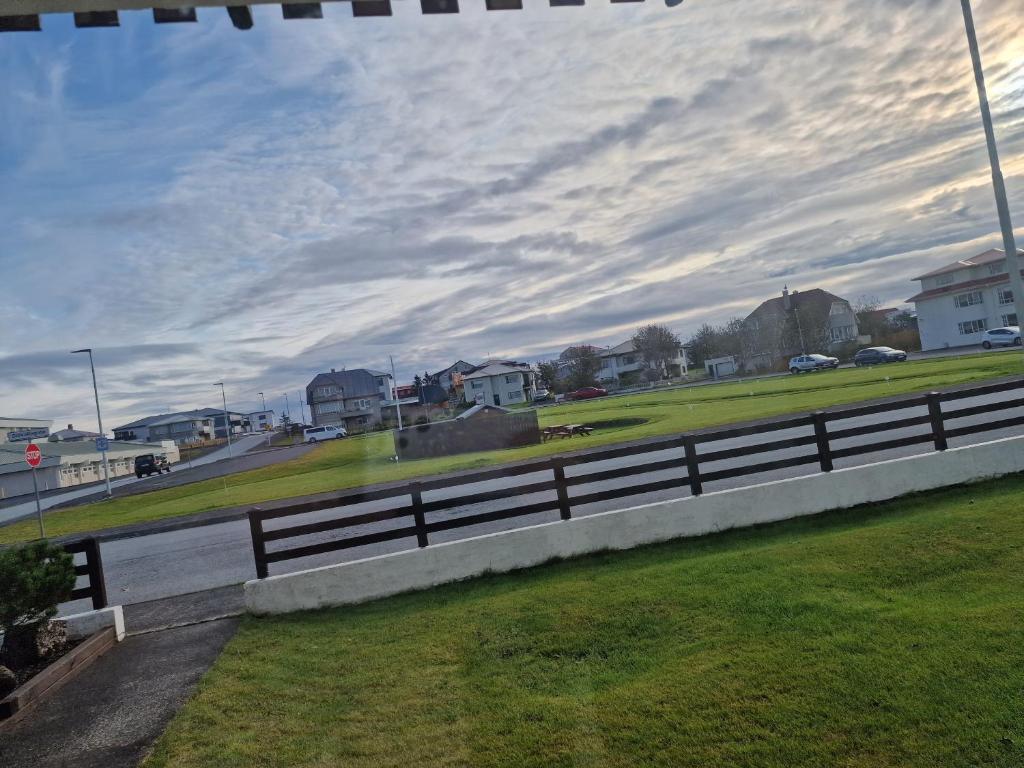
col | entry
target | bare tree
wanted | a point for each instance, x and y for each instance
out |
(656, 344)
(582, 363)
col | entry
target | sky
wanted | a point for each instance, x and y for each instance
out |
(200, 204)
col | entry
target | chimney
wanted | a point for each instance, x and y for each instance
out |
(332, 370)
(786, 303)
(70, 428)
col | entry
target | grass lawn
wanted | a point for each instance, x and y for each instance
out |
(889, 635)
(364, 460)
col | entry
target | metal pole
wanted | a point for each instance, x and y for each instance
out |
(264, 401)
(227, 418)
(394, 382)
(302, 411)
(999, 186)
(39, 507)
(99, 418)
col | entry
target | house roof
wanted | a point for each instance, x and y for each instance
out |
(354, 382)
(815, 297)
(481, 408)
(497, 369)
(162, 419)
(454, 367)
(943, 290)
(622, 349)
(986, 257)
(71, 434)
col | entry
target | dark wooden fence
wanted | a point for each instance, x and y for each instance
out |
(93, 568)
(825, 429)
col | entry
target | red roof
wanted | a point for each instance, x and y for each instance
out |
(981, 282)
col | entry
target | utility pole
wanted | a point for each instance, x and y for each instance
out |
(394, 383)
(302, 410)
(99, 418)
(227, 417)
(264, 401)
(998, 185)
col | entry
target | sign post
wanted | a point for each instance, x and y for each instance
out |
(33, 457)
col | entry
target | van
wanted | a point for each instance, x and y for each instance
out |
(316, 434)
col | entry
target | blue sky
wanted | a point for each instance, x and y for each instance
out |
(202, 204)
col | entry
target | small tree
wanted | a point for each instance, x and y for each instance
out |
(656, 344)
(417, 381)
(547, 374)
(582, 363)
(34, 579)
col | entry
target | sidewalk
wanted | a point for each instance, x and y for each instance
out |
(112, 713)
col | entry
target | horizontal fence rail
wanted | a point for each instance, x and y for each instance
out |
(93, 568)
(689, 456)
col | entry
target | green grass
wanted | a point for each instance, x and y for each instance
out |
(889, 635)
(365, 459)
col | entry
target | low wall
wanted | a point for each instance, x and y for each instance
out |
(391, 574)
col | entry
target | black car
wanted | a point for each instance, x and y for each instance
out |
(876, 355)
(148, 463)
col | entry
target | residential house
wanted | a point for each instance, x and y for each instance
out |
(957, 303)
(452, 374)
(350, 398)
(183, 427)
(623, 364)
(261, 421)
(16, 430)
(499, 382)
(797, 322)
(72, 435)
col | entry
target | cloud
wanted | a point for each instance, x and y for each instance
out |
(202, 205)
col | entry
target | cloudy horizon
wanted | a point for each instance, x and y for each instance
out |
(200, 204)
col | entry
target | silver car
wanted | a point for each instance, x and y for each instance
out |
(803, 363)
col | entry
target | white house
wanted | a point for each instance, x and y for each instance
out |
(499, 382)
(957, 303)
(624, 360)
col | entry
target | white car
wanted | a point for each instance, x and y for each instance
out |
(1002, 337)
(316, 434)
(802, 363)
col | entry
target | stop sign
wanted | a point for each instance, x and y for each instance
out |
(33, 455)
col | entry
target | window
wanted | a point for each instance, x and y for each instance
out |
(1010, 319)
(361, 405)
(332, 407)
(995, 267)
(628, 360)
(1005, 296)
(516, 395)
(972, 326)
(944, 279)
(477, 384)
(968, 299)
(842, 333)
(511, 379)
(326, 391)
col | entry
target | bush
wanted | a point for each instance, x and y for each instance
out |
(34, 579)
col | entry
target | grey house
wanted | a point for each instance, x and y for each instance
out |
(352, 399)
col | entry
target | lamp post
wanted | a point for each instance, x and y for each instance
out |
(227, 418)
(998, 185)
(99, 418)
(264, 401)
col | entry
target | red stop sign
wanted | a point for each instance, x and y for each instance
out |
(33, 455)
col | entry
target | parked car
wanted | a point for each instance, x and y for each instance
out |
(541, 394)
(148, 463)
(876, 355)
(585, 393)
(802, 363)
(328, 432)
(1002, 337)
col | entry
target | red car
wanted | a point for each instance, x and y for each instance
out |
(586, 393)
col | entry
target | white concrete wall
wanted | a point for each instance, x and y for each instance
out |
(81, 625)
(391, 574)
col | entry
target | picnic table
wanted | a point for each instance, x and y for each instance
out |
(565, 430)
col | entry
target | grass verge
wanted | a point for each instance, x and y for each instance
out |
(366, 459)
(887, 635)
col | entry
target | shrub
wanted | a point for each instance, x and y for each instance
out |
(34, 579)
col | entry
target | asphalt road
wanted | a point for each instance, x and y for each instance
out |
(179, 475)
(177, 562)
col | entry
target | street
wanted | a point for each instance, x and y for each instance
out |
(177, 562)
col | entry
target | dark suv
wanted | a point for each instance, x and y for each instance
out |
(876, 355)
(148, 463)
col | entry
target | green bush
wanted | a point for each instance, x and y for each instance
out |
(34, 579)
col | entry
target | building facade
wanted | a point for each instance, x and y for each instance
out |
(957, 303)
(183, 427)
(16, 430)
(797, 322)
(501, 383)
(622, 364)
(352, 399)
(450, 376)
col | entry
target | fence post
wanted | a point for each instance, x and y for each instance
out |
(259, 547)
(938, 426)
(692, 466)
(562, 489)
(821, 434)
(97, 584)
(417, 513)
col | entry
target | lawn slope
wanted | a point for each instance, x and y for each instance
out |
(889, 635)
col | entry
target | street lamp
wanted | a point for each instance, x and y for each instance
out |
(264, 401)
(99, 418)
(998, 185)
(227, 418)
